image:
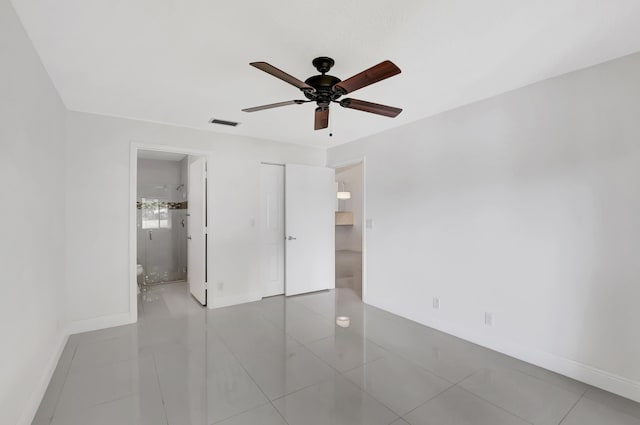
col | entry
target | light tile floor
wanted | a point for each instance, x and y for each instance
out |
(282, 361)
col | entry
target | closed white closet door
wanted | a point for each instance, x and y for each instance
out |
(272, 229)
(197, 252)
(310, 228)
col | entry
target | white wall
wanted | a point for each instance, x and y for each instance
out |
(98, 164)
(350, 237)
(159, 171)
(526, 205)
(32, 235)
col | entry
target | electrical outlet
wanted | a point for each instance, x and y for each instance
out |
(436, 303)
(488, 319)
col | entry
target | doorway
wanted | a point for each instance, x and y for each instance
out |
(349, 229)
(161, 204)
(168, 239)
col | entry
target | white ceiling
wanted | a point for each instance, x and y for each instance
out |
(185, 61)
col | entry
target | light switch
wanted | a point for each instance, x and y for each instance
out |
(369, 223)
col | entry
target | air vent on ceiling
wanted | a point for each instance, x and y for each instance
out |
(223, 122)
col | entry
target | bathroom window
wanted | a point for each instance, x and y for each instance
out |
(155, 214)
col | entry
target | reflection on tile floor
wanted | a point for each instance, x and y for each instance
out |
(282, 361)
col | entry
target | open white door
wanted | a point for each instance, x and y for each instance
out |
(310, 229)
(272, 229)
(197, 247)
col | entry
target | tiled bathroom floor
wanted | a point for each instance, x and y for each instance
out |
(282, 361)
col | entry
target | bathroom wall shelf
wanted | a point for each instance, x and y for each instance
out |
(344, 218)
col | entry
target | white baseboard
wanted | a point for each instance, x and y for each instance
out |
(584, 373)
(34, 401)
(102, 322)
(217, 302)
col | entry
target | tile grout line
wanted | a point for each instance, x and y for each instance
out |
(315, 383)
(248, 374)
(362, 365)
(493, 404)
(243, 412)
(301, 389)
(457, 385)
(115, 362)
(542, 379)
(284, 329)
(121, 397)
(572, 408)
(110, 400)
(485, 400)
(430, 399)
(384, 404)
(164, 406)
(414, 363)
(345, 372)
(512, 413)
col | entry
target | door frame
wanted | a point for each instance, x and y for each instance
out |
(341, 164)
(133, 192)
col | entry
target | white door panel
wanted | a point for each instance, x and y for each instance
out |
(272, 229)
(197, 229)
(310, 229)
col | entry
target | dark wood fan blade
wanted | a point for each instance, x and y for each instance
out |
(278, 73)
(322, 118)
(374, 108)
(369, 76)
(275, 105)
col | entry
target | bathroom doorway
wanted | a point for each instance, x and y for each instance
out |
(169, 222)
(349, 220)
(161, 204)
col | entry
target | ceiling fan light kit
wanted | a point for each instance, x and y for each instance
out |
(325, 89)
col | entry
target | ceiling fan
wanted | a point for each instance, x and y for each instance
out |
(324, 89)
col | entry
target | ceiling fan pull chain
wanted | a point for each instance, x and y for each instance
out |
(331, 126)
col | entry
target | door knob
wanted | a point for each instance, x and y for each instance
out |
(291, 238)
(189, 237)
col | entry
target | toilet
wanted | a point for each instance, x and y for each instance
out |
(140, 275)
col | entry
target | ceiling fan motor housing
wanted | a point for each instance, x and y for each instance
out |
(323, 84)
